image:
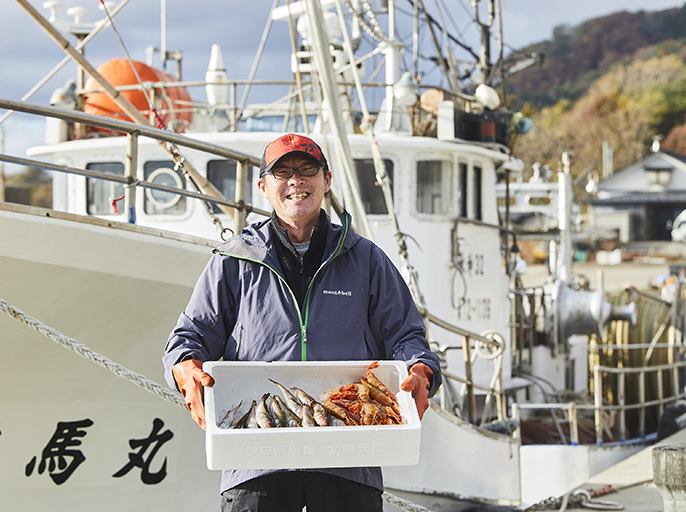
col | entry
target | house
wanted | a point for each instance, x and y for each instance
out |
(643, 198)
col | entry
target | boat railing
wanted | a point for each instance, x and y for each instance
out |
(602, 410)
(488, 346)
(671, 369)
(234, 109)
(130, 181)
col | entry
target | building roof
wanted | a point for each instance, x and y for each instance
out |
(678, 156)
(638, 198)
(648, 173)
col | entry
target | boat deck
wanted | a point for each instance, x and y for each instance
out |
(628, 483)
(633, 479)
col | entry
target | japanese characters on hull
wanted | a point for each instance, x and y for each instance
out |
(62, 454)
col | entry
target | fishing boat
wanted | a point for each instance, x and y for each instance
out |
(426, 174)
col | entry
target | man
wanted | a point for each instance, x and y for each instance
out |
(263, 297)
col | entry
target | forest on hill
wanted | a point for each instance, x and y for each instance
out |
(619, 79)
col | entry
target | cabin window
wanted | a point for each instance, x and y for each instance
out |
(462, 183)
(222, 174)
(371, 193)
(435, 189)
(477, 193)
(158, 202)
(100, 194)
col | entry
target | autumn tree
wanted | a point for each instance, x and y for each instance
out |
(626, 107)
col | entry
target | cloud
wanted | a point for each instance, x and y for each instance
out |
(193, 26)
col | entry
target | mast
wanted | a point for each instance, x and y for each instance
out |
(485, 53)
(392, 55)
(564, 261)
(320, 45)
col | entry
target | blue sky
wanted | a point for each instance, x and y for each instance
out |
(28, 53)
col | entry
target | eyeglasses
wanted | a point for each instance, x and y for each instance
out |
(285, 173)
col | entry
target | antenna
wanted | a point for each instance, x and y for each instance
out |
(163, 33)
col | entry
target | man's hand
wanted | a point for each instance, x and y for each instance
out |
(191, 379)
(418, 383)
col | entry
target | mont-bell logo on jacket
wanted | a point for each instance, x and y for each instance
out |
(338, 292)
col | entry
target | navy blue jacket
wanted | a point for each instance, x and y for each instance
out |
(357, 307)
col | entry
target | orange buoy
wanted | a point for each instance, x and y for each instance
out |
(171, 103)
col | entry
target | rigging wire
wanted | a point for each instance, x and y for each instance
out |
(81, 44)
(450, 17)
(173, 150)
(158, 120)
(258, 56)
(432, 21)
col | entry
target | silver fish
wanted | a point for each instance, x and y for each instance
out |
(308, 417)
(276, 412)
(292, 402)
(304, 398)
(335, 422)
(230, 417)
(292, 419)
(264, 419)
(321, 416)
(248, 419)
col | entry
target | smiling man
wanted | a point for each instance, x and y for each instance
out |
(297, 287)
(295, 181)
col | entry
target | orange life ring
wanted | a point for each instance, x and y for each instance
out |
(172, 104)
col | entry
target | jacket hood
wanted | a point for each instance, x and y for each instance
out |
(255, 241)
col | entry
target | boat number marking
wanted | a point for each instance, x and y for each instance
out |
(474, 309)
(474, 264)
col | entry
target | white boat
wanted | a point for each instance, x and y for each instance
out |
(112, 265)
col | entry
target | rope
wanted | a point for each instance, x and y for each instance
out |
(402, 504)
(375, 30)
(176, 156)
(140, 380)
(179, 165)
(84, 351)
(579, 499)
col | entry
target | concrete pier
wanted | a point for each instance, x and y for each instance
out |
(669, 475)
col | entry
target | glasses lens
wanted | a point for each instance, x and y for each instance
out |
(308, 170)
(283, 173)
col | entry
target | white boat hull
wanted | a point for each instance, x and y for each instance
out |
(566, 467)
(118, 289)
(468, 462)
(94, 284)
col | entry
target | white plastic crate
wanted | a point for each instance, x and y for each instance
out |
(305, 447)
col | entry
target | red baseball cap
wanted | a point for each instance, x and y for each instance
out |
(289, 144)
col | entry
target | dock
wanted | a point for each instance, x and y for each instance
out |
(630, 482)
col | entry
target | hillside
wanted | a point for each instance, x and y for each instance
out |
(576, 56)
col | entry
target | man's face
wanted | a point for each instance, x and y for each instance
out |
(298, 198)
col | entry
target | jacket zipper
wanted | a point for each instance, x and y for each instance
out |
(303, 324)
(314, 277)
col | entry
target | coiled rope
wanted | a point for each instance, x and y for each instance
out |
(140, 380)
(402, 504)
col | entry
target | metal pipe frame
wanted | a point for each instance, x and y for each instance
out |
(128, 181)
(73, 116)
(622, 407)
